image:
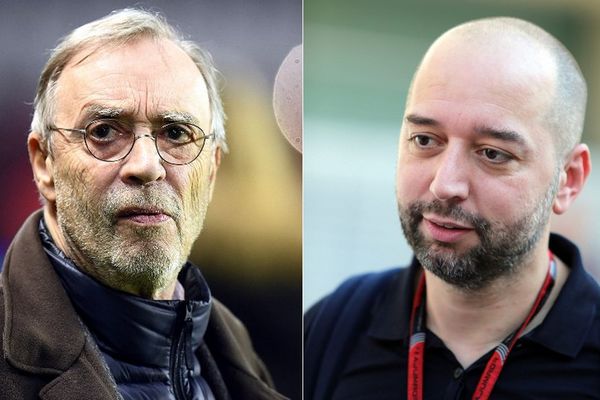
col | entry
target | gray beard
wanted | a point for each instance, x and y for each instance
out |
(145, 261)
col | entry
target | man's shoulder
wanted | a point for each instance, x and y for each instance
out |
(357, 302)
(225, 319)
(581, 287)
(225, 330)
(2, 321)
(2, 313)
(231, 346)
(14, 384)
(363, 289)
(333, 324)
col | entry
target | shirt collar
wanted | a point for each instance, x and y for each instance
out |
(566, 327)
(575, 307)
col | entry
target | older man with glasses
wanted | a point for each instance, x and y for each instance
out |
(99, 301)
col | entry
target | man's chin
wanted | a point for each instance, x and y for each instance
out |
(445, 249)
(439, 255)
(154, 258)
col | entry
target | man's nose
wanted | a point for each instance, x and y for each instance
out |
(143, 164)
(452, 176)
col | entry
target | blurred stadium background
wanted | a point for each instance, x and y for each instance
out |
(359, 59)
(251, 249)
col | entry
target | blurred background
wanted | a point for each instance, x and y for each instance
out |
(250, 250)
(359, 60)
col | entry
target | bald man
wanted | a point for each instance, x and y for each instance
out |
(493, 304)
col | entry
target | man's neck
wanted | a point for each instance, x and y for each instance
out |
(471, 323)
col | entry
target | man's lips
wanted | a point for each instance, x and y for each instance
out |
(446, 222)
(143, 215)
(445, 229)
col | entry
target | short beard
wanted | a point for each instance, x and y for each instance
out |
(143, 261)
(503, 248)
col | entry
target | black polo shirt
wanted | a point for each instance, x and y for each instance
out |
(560, 359)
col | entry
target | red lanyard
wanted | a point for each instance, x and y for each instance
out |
(494, 365)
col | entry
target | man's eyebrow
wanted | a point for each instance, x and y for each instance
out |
(98, 111)
(178, 116)
(420, 120)
(501, 134)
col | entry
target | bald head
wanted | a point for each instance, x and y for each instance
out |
(511, 51)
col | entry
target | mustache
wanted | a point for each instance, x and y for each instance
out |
(450, 210)
(152, 197)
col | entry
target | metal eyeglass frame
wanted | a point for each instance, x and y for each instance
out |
(84, 133)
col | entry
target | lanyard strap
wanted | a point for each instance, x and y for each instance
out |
(494, 365)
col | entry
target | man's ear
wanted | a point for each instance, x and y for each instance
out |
(41, 164)
(214, 166)
(577, 168)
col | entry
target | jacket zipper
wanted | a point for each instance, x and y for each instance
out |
(181, 352)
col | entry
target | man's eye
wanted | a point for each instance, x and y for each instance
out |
(495, 156)
(423, 141)
(180, 134)
(103, 131)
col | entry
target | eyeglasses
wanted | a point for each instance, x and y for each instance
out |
(177, 143)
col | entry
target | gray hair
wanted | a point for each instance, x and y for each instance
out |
(118, 28)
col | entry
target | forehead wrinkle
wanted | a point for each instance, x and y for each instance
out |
(128, 91)
(147, 106)
(95, 110)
